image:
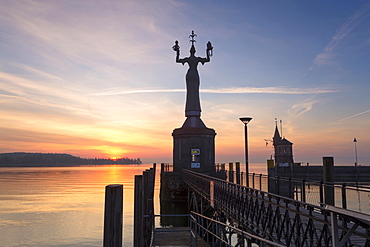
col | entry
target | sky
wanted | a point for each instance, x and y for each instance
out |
(96, 78)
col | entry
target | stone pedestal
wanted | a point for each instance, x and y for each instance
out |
(194, 147)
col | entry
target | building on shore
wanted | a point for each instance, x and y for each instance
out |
(283, 149)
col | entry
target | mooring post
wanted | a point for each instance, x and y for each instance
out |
(146, 205)
(328, 175)
(113, 215)
(138, 212)
(237, 166)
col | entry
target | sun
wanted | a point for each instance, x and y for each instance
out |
(113, 153)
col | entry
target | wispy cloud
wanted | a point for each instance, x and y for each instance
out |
(302, 107)
(41, 73)
(326, 56)
(356, 115)
(230, 90)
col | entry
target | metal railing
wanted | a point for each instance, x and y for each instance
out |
(222, 234)
(345, 195)
(277, 218)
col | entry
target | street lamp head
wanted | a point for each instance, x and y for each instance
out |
(245, 120)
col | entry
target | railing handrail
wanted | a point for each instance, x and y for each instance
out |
(252, 236)
(257, 191)
(201, 184)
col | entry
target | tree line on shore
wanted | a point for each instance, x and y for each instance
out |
(55, 159)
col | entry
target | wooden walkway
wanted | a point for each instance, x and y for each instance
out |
(175, 237)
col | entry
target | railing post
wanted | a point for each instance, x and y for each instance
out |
(113, 215)
(223, 168)
(138, 212)
(303, 190)
(260, 181)
(231, 172)
(253, 174)
(237, 166)
(290, 190)
(321, 192)
(278, 185)
(344, 196)
(328, 174)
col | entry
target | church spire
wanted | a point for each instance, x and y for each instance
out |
(277, 138)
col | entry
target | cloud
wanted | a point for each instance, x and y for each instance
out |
(41, 73)
(302, 107)
(230, 90)
(327, 55)
(113, 31)
(356, 115)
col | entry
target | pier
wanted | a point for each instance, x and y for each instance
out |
(203, 204)
(224, 213)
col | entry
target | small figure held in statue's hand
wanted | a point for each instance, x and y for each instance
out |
(176, 47)
(209, 49)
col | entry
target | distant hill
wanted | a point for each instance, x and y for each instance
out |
(52, 159)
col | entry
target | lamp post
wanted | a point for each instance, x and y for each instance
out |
(245, 121)
(355, 141)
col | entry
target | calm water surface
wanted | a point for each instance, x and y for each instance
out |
(62, 206)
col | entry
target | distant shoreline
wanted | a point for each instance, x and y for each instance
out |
(23, 159)
(85, 165)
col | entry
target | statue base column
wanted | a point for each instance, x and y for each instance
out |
(194, 147)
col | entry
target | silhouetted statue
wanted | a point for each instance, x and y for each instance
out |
(192, 107)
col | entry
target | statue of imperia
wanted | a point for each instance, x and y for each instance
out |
(192, 107)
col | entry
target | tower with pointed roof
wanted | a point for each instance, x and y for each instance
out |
(283, 149)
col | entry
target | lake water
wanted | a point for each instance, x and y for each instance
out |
(64, 206)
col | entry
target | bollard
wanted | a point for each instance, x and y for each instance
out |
(113, 215)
